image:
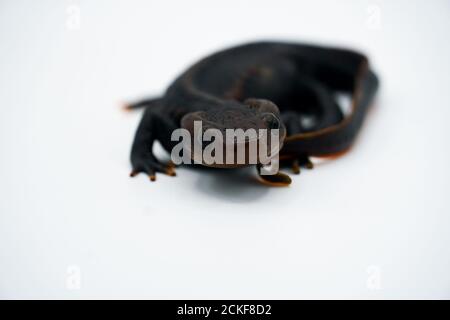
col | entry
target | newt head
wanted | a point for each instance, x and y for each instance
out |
(235, 134)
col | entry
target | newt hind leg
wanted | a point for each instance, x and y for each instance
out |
(312, 107)
(295, 162)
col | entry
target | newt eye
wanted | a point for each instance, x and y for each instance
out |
(271, 120)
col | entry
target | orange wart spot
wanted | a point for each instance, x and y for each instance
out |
(133, 173)
(278, 180)
(125, 106)
(170, 172)
(335, 155)
(273, 184)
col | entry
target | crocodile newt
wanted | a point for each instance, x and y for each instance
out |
(295, 84)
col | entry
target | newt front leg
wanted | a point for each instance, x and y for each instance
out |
(153, 127)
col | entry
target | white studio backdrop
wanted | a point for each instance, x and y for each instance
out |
(372, 224)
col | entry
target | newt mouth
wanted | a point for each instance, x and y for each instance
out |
(233, 153)
(215, 146)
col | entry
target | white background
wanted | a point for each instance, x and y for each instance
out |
(372, 224)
